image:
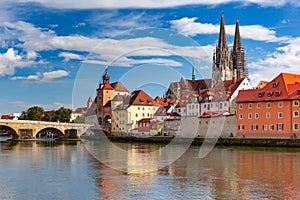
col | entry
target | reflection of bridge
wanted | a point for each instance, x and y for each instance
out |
(25, 129)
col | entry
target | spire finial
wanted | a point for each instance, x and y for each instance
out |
(193, 74)
(237, 19)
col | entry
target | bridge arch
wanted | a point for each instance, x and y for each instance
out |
(10, 130)
(49, 132)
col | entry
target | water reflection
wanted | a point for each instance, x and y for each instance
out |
(65, 170)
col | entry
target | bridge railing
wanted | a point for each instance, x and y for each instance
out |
(45, 123)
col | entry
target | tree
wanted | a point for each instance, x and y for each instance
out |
(33, 113)
(63, 114)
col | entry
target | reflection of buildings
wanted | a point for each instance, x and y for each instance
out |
(272, 169)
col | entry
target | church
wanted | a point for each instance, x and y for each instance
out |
(229, 64)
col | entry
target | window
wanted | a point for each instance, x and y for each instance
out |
(221, 105)
(280, 115)
(271, 127)
(249, 116)
(256, 115)
(296, 126)
(241, 106)
(241, 127)
(100, 98)
(143, 114)
(296, 113)
(277, 94)
(139, 108)
(250, 105)
(268, 115)
(280, 104)
(269, 94)
(268, 105)
(136, 115)
(255, 127)
(258, 105)
(143, 108)
(296, 103)
(280, 127)
(265, 127)
(241, 116)
(298, 92)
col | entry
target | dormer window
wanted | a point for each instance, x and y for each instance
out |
(298, 92)
(260, 94)
(269, 94)
(275, 84)
(277, 93)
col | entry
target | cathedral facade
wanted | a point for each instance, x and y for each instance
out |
(228, 64)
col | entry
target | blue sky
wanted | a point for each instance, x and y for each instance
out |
(53, 53)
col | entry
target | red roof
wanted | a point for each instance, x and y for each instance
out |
(284, 86)
(161, 101)
(105, 86)
(139, 97)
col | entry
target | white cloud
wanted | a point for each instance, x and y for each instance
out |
(189, 27)
(70, 56)
(285, 59)
(48, 76)
(79, 4)
(117, 51)
(43, 77)
(10, 60)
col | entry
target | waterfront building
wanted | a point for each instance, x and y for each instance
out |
(133, 108)
(221, 98)
(105, 93)
(228, 64)
(272, 110)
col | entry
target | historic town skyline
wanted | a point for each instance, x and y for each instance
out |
(43, 44)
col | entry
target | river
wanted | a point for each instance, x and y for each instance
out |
(69, 170)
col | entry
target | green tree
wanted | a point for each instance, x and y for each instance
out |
(34, 113)
(63, 114)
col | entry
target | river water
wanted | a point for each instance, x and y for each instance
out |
(69, 170)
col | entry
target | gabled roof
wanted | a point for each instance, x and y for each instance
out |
(223, 90)
(118, 86)
(285, 86)
(105, 86)
(139, 97)
(161, 101)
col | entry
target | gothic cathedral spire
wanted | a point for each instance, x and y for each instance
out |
(238, 55)
(222, 69)
(228, 65)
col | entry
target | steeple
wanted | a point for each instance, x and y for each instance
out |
(193, 74)
(106, 77)
(222, 35)
(237, 38)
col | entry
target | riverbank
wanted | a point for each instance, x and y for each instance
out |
(255, 142)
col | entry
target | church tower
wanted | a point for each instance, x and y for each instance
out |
(105, 94)
(222, 67)
(238, 55)
(228, 65)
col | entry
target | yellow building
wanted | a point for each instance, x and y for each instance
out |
(131, 109)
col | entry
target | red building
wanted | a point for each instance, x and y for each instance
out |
(271, 111)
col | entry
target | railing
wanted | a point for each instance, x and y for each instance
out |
(44, 123)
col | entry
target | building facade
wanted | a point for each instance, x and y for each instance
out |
(271, 110)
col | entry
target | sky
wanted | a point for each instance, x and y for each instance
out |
(54, 53)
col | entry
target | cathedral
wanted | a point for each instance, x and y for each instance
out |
(228, 64)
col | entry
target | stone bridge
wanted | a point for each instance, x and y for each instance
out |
(26, 129)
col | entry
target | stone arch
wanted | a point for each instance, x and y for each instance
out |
(11, 131)
(49, 132)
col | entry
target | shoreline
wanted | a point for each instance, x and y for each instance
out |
(254, 142)
(228, 141)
